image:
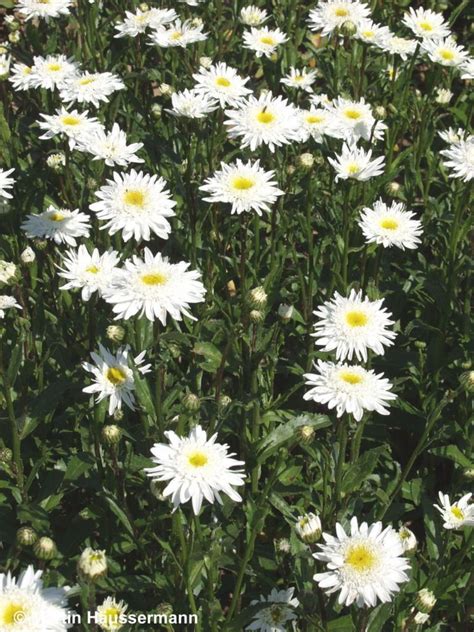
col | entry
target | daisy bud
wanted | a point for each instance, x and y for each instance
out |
(290, 170)
(308, 528)
(306, 160)
(443, 96)
(144, 7)
(256, 316)
(393, 188)
(285, 312)
(26, 536)
(6, 456)
(224, 401)
(408, 539)
(468, 473)
(466, 365)
(115, 333)
(425, 600)
(283, 546)
(257, 297)
(231, 288)
(45, 548)
(156, 111)
(165, 609)
(197, 22)
(14, 37)
(420, 344)
(380, 112)
(118, 414)
(56, 161)
(306, 433)
(191, 402)
(467, 380)
(40, 244)
(27, 256)
(420, 618)
(206, 62)
(111, 434)
(349, 28)
(92, 565)
(165, 90)
(8, 273)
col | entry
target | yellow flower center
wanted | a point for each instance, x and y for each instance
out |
(176, 35)
(314, 118)
(222, 82)
(356, 318)
(71, 120)
(353, 168)
(276, 613)
(12, 614)
(265, 117)
(360, 558)
(86, 81)
(426, 26)
(350, 377)
(446, 54)
(56, 216)
(154, 278)
(341, 12)
(115, 375)
(134, 197)
(242, 184)
(92, 269)
(27, 70)
(389, 223)
(266, 39)
(368, 34)
(197, 459)
(352, 114)
(457, 513)
(54, 67)
(111, 615)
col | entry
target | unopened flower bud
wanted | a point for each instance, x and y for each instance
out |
(40, 244)
(256, 316)
(156, 111)
(468, 473)
(224, 401)
(8, 273)
(92, 565)
(6, 456)
(306, 160)
(467, 380)
(191, 402)
(466, 365)
(14, 37)
(11, 23)
(111, 434)
(118, 414)
(165, 609)
(425, 600)
(282, 545)
(56, 161)
(290, 169)
(380, 112)
(308, 528)
(26, 536)
(420, 618)
(205, 62)
(116, 333)
(393, 188)
(306, 433)
(349, 28)
(231, 288)
(408, 540)
(443, 97)
(257, 297)
(144, 7)
(285, 312)
(420, 344)
(45, 548)
(28, 256)
(165, 90)
(197, 22)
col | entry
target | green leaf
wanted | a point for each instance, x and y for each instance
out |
(212, 356)
(286, 432)
(121, 515)
(361, 469)
(78, 465)
(342, 624)
(378, 617)
(452, 452)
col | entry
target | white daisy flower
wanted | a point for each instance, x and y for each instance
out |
(6, 182)
(26, 606)
(222, 83)
(320, 100)
(351, 325)
(21, 77)
(395, 45)
(76, 126)
(371, 32)
(460, 159)
(136, 204)
(264, 41)
(352, 120)
(110, 613)
(253, 16)
(467, 69)
(408, 540)
(333, 14)
(246, 186)
(280, 611)
(90, 87)
(136, 23)
(364, 565)
(390, 225)
(314, 123)
(452, 136)
(197, 468)
(445, 52)
(5, 62)
(113, 376)
(88, 272)
(7, 302)
(349, 389)
(59, 224)
(43, 8)
(178, 34)
(356, 163)
(458, 514)
(425, 23)
(192, 104)
(51, 71)
(154, 287)
(267, 120)
(300, 79)
(111, 147)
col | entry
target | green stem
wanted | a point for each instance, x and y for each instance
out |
(341, 457)
(178, 527)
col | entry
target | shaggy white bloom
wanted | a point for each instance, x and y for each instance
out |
(280, 611)
(51, 71)
(109, 614)
(267, 120)
(26, 606)
(425, 23)
(59, 224)
(43, 8)
(192, 104)
(197, 468)
(253, 16)
(154, 287)
(333, 14)
(113, 376)
(246, 186)
(178, 34)
(111, 147)
(467, 69)
(458, 514)
(352, 325)
(408, 540)
(356, 163)
(460, 159)
(452, 136)
(7, 302)
(90, 87)
(300, 79)
(314, 123)
(371, 32)
(445, 52)
(397, 45)
(76, 126)
(89, 272)
(264, 41)
(136, 23)
(390, 225)
(352, 120)
(6, 182)
(136, 204)
(21, 77)
(364, 565)
(349, 389)
(222, 83)
(92, 564)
